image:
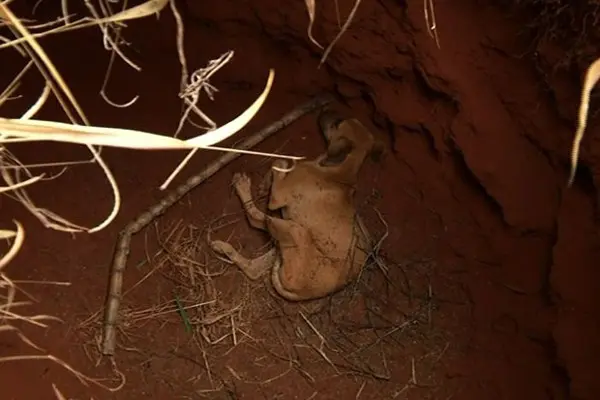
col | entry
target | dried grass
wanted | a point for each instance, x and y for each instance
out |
(215, 318)
(218, 321)
(18, 177)
(10, 316)
(78, 131)
(226, 313)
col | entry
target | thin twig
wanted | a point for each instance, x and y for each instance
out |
(122, 249)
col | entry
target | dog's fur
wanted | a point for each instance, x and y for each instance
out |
(320, 247)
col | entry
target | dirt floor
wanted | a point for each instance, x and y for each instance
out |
(488, 284)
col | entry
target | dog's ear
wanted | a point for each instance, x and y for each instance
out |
(377, 151)
(361, 135)
(337, 151)
(339, 146)
(328, 120)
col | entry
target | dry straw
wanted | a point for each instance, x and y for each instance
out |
(591, 78)
(18, 176)
(24, 36)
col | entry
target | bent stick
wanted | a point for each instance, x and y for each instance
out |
(119, 261)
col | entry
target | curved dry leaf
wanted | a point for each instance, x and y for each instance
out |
(37, 106)
(140, 11)
(592, 76)
(341, 32)
(6, 234)
(235, 125)
(310, 7)
(41, 130)
(225, 130)
(430, 22)
(16, 246)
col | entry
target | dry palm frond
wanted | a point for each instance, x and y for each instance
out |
(79, 130)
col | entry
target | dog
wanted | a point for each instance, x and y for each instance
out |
(319, 247)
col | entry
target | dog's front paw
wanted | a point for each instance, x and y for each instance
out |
(241, 182)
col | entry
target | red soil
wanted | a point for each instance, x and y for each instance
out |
(475, 180)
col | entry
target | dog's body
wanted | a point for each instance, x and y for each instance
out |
(320, 247)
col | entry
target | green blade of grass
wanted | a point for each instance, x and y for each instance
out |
(183, 314)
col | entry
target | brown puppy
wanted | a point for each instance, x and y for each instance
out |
(320, 248)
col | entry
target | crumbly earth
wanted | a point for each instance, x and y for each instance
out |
(480, 132)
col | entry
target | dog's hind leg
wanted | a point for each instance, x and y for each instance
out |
(253, 268)
(295, 274)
